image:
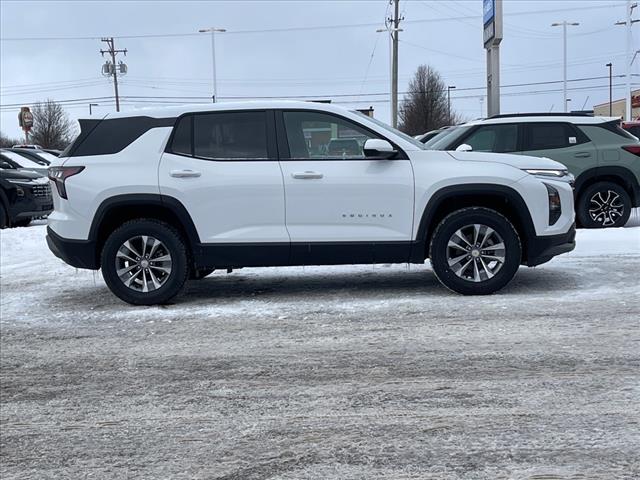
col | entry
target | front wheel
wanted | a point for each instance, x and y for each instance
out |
(145, 262)
(604, 204)
(475, 251)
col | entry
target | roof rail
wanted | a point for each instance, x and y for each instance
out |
(543, 114)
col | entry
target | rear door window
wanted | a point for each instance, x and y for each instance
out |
(551, 135)
(230, 136)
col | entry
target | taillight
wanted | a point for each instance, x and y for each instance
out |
(635, 149)
(59, 175)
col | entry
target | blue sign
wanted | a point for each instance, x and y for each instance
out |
(488, 11)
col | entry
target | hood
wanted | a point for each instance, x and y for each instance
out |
(518, 161)
(19, 174)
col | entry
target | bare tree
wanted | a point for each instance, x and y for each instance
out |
(425, 106)
(52, 128)
(6, 142)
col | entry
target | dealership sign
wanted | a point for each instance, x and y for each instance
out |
(492, 22)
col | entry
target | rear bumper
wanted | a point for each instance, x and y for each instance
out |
(77, 253)
(542, 249)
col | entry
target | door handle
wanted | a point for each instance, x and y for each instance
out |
(307, 175)
(184, 173)
(582, 155)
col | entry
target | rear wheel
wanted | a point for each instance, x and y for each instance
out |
(145, 262)
(604, 204)
(475, 251)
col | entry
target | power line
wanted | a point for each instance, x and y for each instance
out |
(303, 29)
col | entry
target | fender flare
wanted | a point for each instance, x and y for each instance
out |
(482, 189)
(142, 199)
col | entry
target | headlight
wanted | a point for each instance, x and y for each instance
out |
(555, 206)
(553, 173)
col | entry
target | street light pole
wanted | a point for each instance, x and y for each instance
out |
(564, 25)
(213, 31)
(610, 65)
(449, 88)
(92, 105)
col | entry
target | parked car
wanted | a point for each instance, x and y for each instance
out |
(28, 145)
(17, 161)
(38, 156)
(597, 151)
(157, 197)
(425, 137)
(345, 147)
(52, 151)
(632, 127)
(24, 195)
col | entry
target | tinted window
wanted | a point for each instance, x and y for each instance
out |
(113, 135)
(320, 135)
(494, 138)
(232, 135)
(543, 136)
(181, 143)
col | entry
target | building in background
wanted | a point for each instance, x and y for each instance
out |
(618, 107)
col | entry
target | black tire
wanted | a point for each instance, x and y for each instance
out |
(615, 210)
(22, 223)
(4, 218)
(171, 243)
(440, 251)
(200, 273)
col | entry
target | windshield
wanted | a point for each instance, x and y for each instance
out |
(20, 160)
(443, 140)
(392, 130)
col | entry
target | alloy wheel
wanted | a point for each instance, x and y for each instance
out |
(606, 207)
(476, 252)
(143, 263)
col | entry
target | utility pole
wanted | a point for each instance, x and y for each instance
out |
(628, 23)
(564, 25)
(395, 31)
(213, 31)
(610, 65)
(113, 70)
(449, 88)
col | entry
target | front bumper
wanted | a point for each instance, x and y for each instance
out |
(77, 253)
(541, 249)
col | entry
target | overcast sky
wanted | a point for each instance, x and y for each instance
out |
(324, 49)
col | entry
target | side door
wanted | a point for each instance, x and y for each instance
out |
(561, 142)
(341, 206)
(223, 167)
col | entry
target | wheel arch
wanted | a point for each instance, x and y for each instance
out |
(620, 175)
(500, 198)
(119, 209)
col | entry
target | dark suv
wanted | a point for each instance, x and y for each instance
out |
(24, 195)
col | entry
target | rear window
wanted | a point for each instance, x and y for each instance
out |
(113, 135)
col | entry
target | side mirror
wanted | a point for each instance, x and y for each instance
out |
(464, 148)
(5, 165)
(378, 148)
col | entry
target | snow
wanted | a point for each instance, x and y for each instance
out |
(342, 372)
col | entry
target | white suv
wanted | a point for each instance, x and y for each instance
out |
(156, 197)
